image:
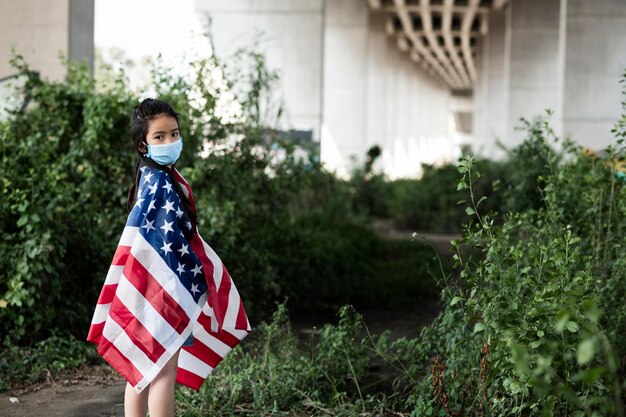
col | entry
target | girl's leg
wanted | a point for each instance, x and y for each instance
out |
(135, 405)
(161, 398)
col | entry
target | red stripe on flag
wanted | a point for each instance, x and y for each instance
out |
(223, 294)
(118, 361)
(138, 334)
(107, 294)
(208, 268)
(121, 254)
(189, 379)
(162, 302)
(184, 183)
(242, 319)
(224, 337)
(95, 332)
(204, 353)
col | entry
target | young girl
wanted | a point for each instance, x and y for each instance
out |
(168, 311)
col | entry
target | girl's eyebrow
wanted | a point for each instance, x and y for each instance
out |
(163, 131)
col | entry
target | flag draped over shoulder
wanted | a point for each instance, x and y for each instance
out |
(165, 283)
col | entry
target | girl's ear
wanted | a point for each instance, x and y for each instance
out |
(142, 148)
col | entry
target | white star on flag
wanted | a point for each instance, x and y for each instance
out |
(181, 268)
(179, 213)
(166, 247)
(148, 177)
(183, 250)
(167, 226)
(167, 186)
(150, 206)
(194, 289)
(197, 270)
(139, 201)
(148, 226)
(169, 205)
(153, 188)
(188, 224)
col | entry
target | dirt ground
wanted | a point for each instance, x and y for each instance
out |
(89, 392)
(99, 391)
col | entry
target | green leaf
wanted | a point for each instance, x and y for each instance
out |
(470, 211)
(572, 326)
(479, 327)
(559, 326)
(586, 350)
(455, 300)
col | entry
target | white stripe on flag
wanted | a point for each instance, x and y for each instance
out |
(239, 334)
(116, 335)
(101, 313)
(208, 311)
(114, 274)
(128, 236)
(163, 274)
(192, 364)
(230, 318)
(156, 325)
(214, 343)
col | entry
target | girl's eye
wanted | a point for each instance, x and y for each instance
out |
(175, 134)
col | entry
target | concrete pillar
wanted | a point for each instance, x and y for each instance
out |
(595, 59)
(491, 92)
(532, 40)
(345, 79)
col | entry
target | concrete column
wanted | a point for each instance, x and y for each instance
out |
(533, 60)
(345, 80)
(491, 92)
(81, 27)
(595, 59)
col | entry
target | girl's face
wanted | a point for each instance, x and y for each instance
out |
(162, 130)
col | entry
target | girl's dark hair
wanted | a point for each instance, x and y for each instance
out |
(145, 111)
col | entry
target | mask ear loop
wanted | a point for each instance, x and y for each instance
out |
(147, 149)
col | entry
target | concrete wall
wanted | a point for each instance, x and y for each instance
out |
(343, 77)
(375, 95)
(290, 34)
(38, 29)
(42, 29)
(565, 55)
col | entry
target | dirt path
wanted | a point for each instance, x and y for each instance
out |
(90, 392)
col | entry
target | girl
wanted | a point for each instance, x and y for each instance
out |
(168, 311)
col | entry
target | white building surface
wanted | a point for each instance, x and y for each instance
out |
(420, 78)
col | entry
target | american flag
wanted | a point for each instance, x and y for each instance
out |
(165, 283)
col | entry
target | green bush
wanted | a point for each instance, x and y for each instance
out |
(536, 325)
(283, 225)
(277, 375)
(431, 203)
(66, 166)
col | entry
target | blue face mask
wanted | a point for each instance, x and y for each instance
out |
(165, 154)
